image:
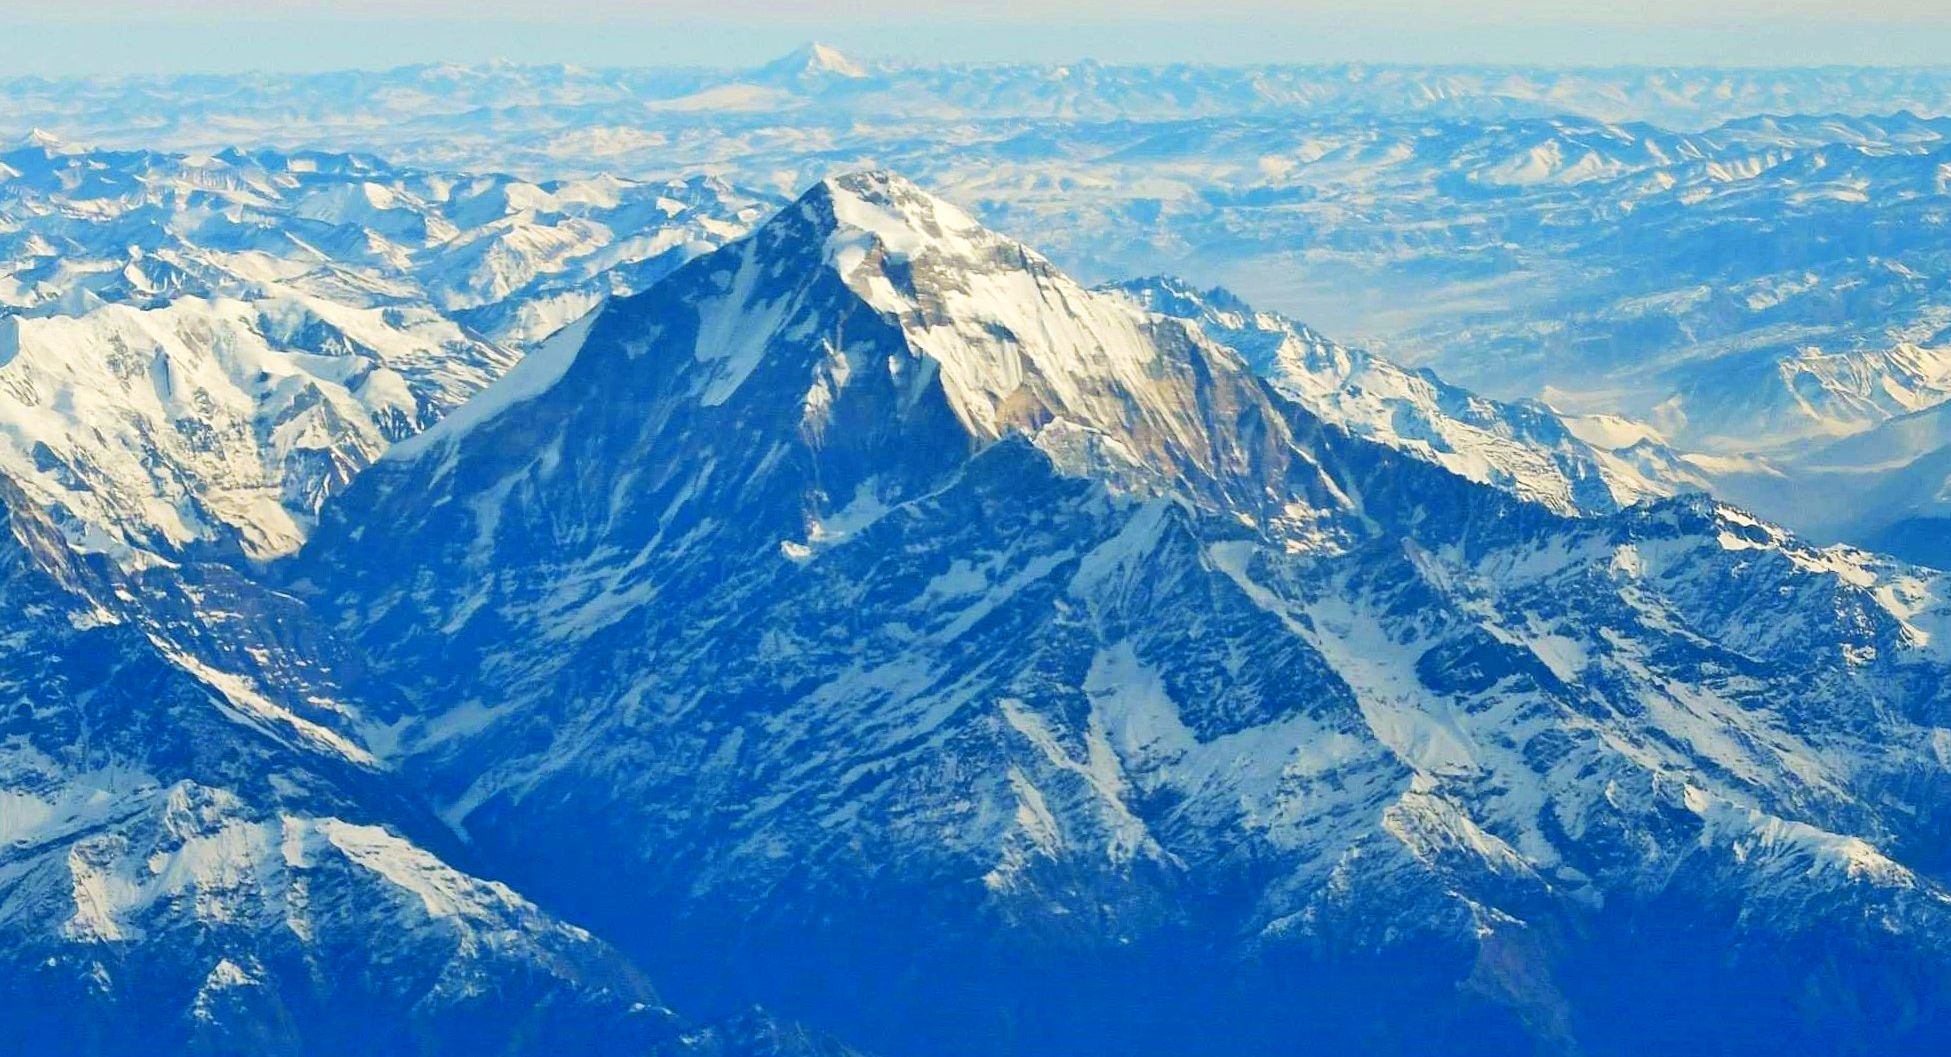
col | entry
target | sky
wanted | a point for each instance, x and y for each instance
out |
(91, 37)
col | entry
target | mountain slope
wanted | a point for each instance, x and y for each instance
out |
(204, 850)
(969, 642)
(188, 864)
(1889, 487)
(1525, 448)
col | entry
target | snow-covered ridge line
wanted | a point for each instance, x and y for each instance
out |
(1572, 464)
(196, 352)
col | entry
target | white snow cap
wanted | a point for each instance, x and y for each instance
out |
(42, 138)
(898, 213)
(813, 59)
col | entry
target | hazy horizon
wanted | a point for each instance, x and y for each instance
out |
(219, 36)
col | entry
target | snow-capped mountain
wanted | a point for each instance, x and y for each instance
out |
(1007, 664)
(852, 612)
(811, 65)
(142, 227)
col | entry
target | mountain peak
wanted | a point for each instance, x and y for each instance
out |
(1020, 347)
(812, 60)
(38, 138)
(881, 185)
(871, 302)
(894, 212)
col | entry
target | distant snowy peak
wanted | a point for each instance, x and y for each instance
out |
(42, 139)
(811, 63)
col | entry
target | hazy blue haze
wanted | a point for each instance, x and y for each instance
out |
(122, 36)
